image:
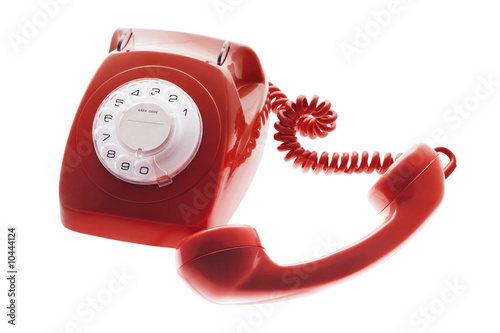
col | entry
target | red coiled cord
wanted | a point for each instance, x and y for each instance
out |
(316, 120)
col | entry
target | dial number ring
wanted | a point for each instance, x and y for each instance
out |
(146, 131)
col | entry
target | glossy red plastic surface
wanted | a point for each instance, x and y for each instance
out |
(228, 264)
(231, 98)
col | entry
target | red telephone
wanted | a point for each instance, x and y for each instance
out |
(164, 146)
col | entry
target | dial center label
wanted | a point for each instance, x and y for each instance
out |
(144, 126)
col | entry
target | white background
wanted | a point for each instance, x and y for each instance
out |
(393, 92)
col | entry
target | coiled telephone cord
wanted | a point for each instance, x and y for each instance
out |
(315, 120)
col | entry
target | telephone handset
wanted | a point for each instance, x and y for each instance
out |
(165, 144)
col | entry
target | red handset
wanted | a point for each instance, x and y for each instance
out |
(229, 265)
(166, 142)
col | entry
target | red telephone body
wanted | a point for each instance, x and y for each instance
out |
(188, 211)
(229, 85)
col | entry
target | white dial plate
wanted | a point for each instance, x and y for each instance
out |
(147, 131)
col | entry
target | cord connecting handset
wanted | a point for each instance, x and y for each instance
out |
(315, 120)
(165, 144)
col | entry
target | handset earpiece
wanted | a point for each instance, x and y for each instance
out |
(228, 264)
